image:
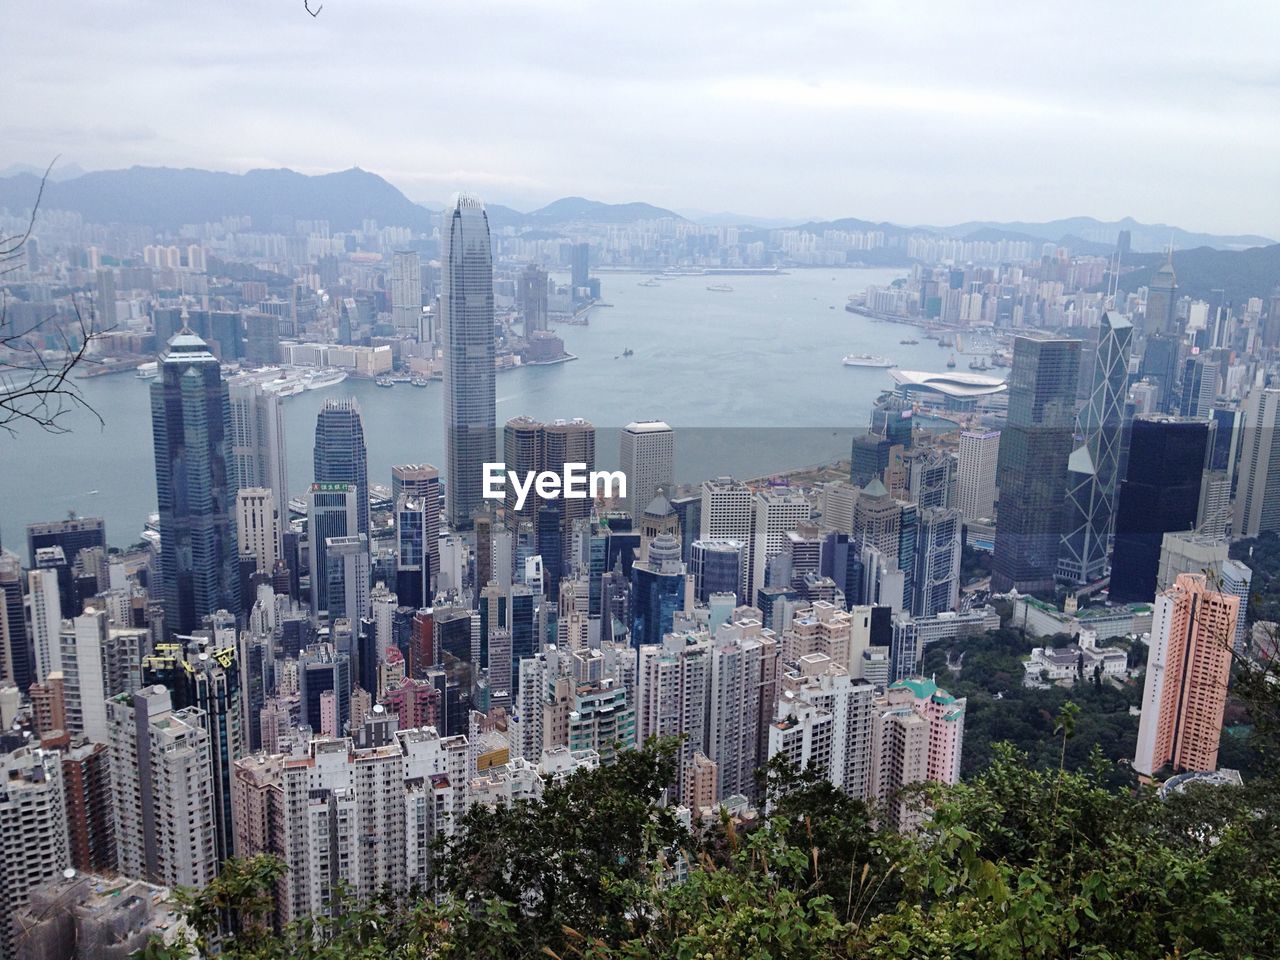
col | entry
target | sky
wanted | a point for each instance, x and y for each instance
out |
(913, 112)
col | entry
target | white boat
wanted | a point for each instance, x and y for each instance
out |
(148, 371)
(720, 288)
(325, 378)
(285, 386)
(866, 360)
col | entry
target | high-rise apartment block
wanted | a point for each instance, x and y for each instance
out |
(1188, 666)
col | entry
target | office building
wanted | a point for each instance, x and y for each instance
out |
(466, 333)
(340, 456)
(421, 481)
(647, 458)
(71, 535)
(258, 440)
(406, 293)
(717, 567)
(778, 511)
(1162, 298)
(936, 583)
(1185, 689)
(1032, 472)
(18, 662)
(531, 299)
(331, 512)
(258, 526)
(1199, 386)
(1258, 487)
(347, 572)
(1094, 465)
(1159, 494)
(195, 487)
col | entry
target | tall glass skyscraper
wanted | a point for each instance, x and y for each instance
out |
(466, 332)
(1093, 466)
(1032, 471)
(1160, 494)
(340, 455)
(195, 486)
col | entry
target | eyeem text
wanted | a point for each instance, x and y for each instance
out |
(575, 483)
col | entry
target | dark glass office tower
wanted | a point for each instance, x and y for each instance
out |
(1094, 466)
(1160, 365)
(1162, 295)
(340, 455)
(1032, 470)
(1160, 494)
(190, 412)
(466, 331)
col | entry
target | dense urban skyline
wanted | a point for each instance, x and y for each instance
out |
(1103, 113)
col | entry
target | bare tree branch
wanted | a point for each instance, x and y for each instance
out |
(34, 387)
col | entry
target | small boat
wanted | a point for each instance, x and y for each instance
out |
(722, 288)
(979, 364)
(909, 341)
(384, 382)
(866, 360)
(951, 362)
(628, 352)
(651, 282)
(418, 382)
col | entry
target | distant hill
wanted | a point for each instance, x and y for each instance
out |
(581, 210)
(1148, 237)
(168, 198)
(1241, 274)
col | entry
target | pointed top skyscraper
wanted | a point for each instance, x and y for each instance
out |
(195, 488)
(466, 333)
(1093, 466)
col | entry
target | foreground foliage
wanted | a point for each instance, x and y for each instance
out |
(1019, 863)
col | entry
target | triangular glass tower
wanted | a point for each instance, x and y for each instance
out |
(1093, 467)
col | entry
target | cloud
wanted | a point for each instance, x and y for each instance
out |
(906, 111)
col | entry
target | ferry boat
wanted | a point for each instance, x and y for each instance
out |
(384, 382)
(650, 282)
(867, 360)
(979, 364)
(951, 362)
(909, 341)
(719, 288)
(148, 371)
(418, 382)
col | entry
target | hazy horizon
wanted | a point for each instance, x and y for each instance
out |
(878, 112)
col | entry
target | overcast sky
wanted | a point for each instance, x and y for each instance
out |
(932, 112)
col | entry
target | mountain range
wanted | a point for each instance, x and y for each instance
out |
(168, 198)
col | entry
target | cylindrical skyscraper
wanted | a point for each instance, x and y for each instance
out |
(466, 331)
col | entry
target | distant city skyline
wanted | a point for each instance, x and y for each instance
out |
(1059, 124)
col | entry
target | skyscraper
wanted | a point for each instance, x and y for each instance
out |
(195, 487)
(1258, 489)
(1032, 472)
(531, 299)
(257, 440)
(421, 481)
(406, 292)
(647, 457)
(1092, 467)
(466, 331)
(976, 474)
(17, 651)
(162, 770)
(340, 455)
(331, 513)
(258, 526)
(1161, 297)
(1199, 386)
(1185, 689)
(937, 573)
(1159, 494)
(778, 511)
